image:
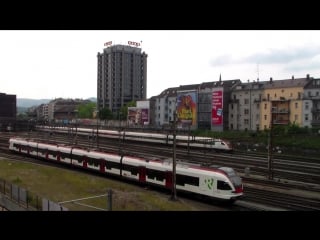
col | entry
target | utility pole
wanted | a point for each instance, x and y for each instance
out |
(270, 164)
(174, 190)
(97, 129)
(189, 125)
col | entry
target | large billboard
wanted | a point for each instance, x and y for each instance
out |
(138, 116)
(187, 108)
(217, 106)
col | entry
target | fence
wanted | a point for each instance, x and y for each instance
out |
(15, 198)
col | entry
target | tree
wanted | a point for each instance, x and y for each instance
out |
(86, 110)
(124, 109)
(105, 114)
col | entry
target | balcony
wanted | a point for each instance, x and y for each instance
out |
(315, 123)
(280, 111)
(280, 122)
(315, 110)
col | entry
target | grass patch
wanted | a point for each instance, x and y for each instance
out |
(63, 185)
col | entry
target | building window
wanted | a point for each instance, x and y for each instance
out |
(299, 95)
(296, 105)
(246, 101)
(231, 115)
(265, 106)
(246, 121)
(246, 111)
(306, 105)
(257, 116)
(306, 117)
(296, 117)
(265, 117)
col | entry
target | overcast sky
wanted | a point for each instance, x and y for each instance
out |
(52, 64)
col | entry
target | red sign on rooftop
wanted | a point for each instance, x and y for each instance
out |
(136, 44)
(107, 43)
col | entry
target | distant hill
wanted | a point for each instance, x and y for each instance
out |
(92, 99)
(27, 102)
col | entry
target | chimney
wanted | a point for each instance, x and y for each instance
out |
(292, 77)
(308, 76)
(271, 80)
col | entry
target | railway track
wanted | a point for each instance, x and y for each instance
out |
(257, 190)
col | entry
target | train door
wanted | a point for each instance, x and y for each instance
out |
(102, 165)
(85, 162)
(142, 174)
(168, 179)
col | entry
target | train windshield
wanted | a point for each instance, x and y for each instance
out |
(234, 178)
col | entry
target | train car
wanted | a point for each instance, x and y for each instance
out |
(205, 143)
(218, 183)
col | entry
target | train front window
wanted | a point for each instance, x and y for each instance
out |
(234, 178)
(223, 185)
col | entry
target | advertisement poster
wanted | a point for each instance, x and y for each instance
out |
(217, 107)
(187, 108)
(138, 116)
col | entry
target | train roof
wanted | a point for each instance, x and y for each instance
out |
(150, 163)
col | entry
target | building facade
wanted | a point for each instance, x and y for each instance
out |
(311, 104)
(244, 106)
(121, 77)
(8, 110)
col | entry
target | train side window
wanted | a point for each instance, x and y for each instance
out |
(223, 185)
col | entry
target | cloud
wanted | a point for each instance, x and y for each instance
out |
(307, 64)
(222, 60)
(272, 56)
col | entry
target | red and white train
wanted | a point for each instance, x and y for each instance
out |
(198, 142)
(219, 183)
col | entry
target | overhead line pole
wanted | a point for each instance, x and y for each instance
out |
(174, 190)
(270, 167)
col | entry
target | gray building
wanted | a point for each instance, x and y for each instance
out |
(63, 110)
(8, 110)
(311, 103)
(122, 76)
(164, 107)
(244, 106)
